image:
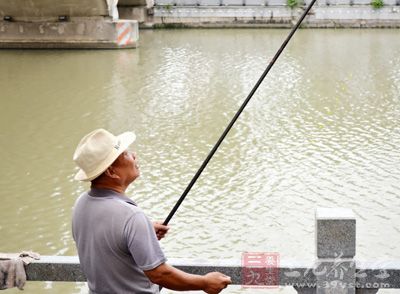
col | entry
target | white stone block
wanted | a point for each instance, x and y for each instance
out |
(164, 2)
(186, 2)
(209, 2)
(233, 2)
(338, 2)
(254, 2)
(277, 2)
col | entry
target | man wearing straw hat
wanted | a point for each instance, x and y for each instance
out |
(117, 245)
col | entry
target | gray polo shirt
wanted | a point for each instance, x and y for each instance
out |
(116, 242)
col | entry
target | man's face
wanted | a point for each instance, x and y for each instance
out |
(127, 167)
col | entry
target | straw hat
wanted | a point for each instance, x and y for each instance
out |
(98, 150)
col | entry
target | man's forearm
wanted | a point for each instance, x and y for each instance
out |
(175, 279)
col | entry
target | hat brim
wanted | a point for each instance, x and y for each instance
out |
(125, 139)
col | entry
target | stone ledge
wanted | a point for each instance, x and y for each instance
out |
(291, 272)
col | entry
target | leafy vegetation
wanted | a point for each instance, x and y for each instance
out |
(294, 3)
(377, 4)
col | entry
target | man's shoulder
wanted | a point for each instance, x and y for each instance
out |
(126, 204)
(111, 201)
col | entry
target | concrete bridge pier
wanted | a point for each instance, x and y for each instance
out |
(140, 10)
(70, 24)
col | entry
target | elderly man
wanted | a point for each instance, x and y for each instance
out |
(117, 244)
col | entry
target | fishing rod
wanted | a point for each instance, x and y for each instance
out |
(215, 148)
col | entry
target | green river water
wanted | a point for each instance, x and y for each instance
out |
(322, 131)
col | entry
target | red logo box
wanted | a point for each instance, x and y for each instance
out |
(260, 270)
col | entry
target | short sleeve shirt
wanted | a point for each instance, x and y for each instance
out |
(116, 242)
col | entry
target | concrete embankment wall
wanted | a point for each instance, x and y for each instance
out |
(274, 13)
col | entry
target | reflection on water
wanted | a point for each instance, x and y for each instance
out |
(322, 130)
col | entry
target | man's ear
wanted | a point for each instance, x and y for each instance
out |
(110, 172)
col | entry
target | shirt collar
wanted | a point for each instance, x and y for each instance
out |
(96, 192)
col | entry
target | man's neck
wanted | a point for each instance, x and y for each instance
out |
(115, 188)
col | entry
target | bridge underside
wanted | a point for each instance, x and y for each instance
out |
(65, 24)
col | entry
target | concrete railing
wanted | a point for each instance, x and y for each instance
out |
(265, 2)
(335, 270)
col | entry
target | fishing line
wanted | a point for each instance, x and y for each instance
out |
(214, 149)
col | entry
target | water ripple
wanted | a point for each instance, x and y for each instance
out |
(322, 130)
